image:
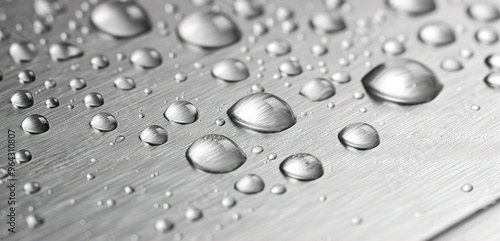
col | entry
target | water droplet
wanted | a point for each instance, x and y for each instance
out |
(77, 83)
(493, 61)
(64, 51)
(393, 47)
(327, 23)
(402, 81)
(52, 102)
(475, 107)
(146, 58)
(436, 34)
(35, 124)
(259, 29)
(154, 135)
(257, 88)
(181, 112)
(290, 68)
(208, 30)
(99, 62)
(262, 112)
(333, 4)
(193, 214)
(467, 187)
(23, 51)
(103, 122)
(412, 7)
(278, 189)
(451, 64)
(257, 149)
(318, 89)
(22, 99)
(341, 77)
(228, 202)
(215, 154)
(26, 76)
(486, 36)
(180, 77)
(50, 83)
(249, 184)
(278, 47)
(23, 156)
(230, 70)
(483, 12)
(120, 19)
(220, 122)
(34, 221)
(283, 13)
(493, 80)
(163, 226)
(124, 83)
(31, 187)
(360, 136)
(356, 220)
(94, 100)
(302, 167)
(247, 8)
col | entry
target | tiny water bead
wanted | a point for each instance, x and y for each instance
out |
(493, 80)
(302, 167)
(31, 187)
(22, 99)
(94, 99)
(103, 122)
(436, 34)
(193, 214)
(475, 107)
(402, 81)
(278, 47)
(99, 62)
(23, 156)
(122, 19)
(483, 12)
(35, 124)
(64, 51)
(23, 51)
(262, 112)
(154, 135)
(359, 136)
(163, 225)
(318, 89)
(327, 22)
(278, 189)
(208, 30)
(124, 83)
(215, 154)
(249, 184)
(26, 76)
(467, 187)
(290, 68)
(181, 112)
(230, 70)
(412, 7)
(146, 58)
(77, 83)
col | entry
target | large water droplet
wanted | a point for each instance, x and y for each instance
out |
(22, 99)
(181, 112)
(483, 12)
(35, 124)
(360, 136)
(121, 19)
(318, 89)
(436, 34)
(64, 51)
(215, 154)
(103, 122)
(412, 7)
(23, 51)
(124, 83)
(327, 23)
(247, 8)
(230, 70)
(249, 184)
(302, 167)
(402, 81)
(154, 135)
(208, 30)
(278, 47)
(44, 8)
(262, 112)
(146, 58)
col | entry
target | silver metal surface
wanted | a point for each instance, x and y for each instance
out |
(407, 188)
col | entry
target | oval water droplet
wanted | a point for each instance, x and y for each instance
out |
(154, 135)
(99, 62)
(486, 36)
(208, 30)
(26, 76)
(247, 8)
(483, 12)
(77, 83)
(215, 154)
(436, 34)
(278, 189)
(35, 124)
(193, 214)
(52, 102)
(163, 225)
(451, 64)
(22, 99)
(249, 184)
(402, 81)
(341, 77)
(34, 221)
(103, 122)
(318, 89)
(327, 23)
(228, 202)
(359, 136)
(262, 112)
(302, 167)
(23, 156)
(31, 187)
(181, 112)
(94, 99)
(120, 19)
(230, 70)
(493, 80)
(493, 61)
(290, 68)
(124, 83)
(278, 47)
(412, 7)
(146, 58)
(64, 51)
(23, 51)
(393, 47)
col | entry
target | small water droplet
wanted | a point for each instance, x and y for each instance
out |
(103, 122)
(120, 19)
(278, 47)
(146, 58)
(249, 184)
(451, 64)
(327, 23)
(220, 122)
(341, 77)
(23, 156)
(22, 99)
(23, 51)
(124, 83)
(412, 7)
(163, 225)
(247, 9)
(278, 189)
(483, 12)
(356, 220)
(230, 70)
(318, 89)
(467, 187)
(359, 136)
(475, 107)
(193, 214)
(77, 83)
(180, 77)
(94, 100)
(290, 68)
(99, 62)
(493, 80)
(436, 34)
(26, 76)
(228, 202)
(35, 124)
(64, 51)
(181, 112)
(393, 47)
(52, 102)
(154, 135)
(31, 187)
(302, 167)
(257, 149)
(486, 36)
(257, 88)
